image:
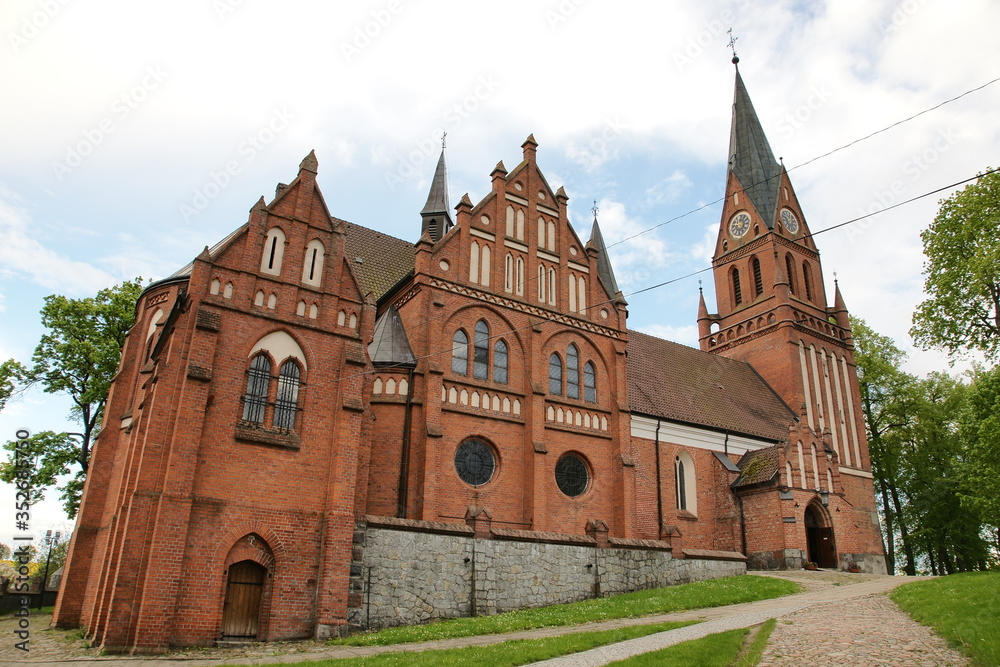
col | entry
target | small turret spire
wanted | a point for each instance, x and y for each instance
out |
(604, 272)
(436, 214)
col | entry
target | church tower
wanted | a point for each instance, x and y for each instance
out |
(772, 313)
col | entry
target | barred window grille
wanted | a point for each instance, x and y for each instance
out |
(258, 379)
(572, 476)
(555, 375)
(287, 402)
(460, 353)
(500, 362)
(475, 462)
(589, 383)
(481, 351)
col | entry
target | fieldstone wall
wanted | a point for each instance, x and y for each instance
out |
(410, 573)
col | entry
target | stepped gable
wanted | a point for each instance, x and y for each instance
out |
(385, 260)
(680, 383)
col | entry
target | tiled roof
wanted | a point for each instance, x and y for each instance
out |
(683, 384)
(758, 466)
(750, 156)
(385, 260)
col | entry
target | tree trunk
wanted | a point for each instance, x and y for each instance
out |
(911, 564)
(887, 512)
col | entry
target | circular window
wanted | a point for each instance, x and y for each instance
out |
(475, 462)
(571, 475)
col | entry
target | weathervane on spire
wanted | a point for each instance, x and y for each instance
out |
(732, 45)
(595, 209)
(444, 135)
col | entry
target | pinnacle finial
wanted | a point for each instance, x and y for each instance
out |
(444, 136)
(595, 209)
(732, 45)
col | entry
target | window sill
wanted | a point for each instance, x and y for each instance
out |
(688, 516)
(267, 436)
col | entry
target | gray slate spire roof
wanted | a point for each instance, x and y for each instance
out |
(604, 272)
(437, 202)
(750, 156)
(390, 346)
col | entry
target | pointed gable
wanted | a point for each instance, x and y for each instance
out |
(750, 156)
(604, 271)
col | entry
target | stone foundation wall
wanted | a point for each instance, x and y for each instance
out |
(411, 573)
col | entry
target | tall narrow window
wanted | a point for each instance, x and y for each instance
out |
(484, 267)
(681, 484)
(572, 372)
(312, 267)
(255, 399)
(508, 273)
(474, 263)
(460, 353)
(288, 396)
(572, 293)
(551, 245)
(737, 292)
(274, 250)
(500, 362)
(589, 382)
(758, 281)
(542, 280)
(790, 267)
(510, 221)
(552, 286)
(555, 375)
(519, 230)
(582, 301)
(481, 351)
(807, 280)
(520, 276)
(541, 232)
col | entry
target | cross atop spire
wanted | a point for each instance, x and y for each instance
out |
(595, 209)
(732, 45)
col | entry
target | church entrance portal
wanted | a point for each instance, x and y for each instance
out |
(820, 544)
(241, 613)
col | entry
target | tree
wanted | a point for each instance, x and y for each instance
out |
(962, 269)
(979, 428)
(887, 397)
(77, 356)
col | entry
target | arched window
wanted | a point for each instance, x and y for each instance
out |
(589, 383)
(541, 283)
(484, 267)
(287, 402)
(500, 362)
(510, 221)
(737, 292)
(460, 353)
(807, 280)
(255, 399)
(572, 372)
(551, 245)
(520, 276)
(552, 286)
(541, 232)
(474, 263)
(555, 374)
(312, 268)
(758, 281)
(519, 230)
(790, 267)
(508, 273)
(582, 301)
(274, 250)
(481, 351)
(572, 293)
(684, 479)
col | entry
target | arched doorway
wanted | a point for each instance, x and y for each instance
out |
(241, 612)
(820, 545)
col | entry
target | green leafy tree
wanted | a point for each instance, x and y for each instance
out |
(979, 427)
(887, 401)
(962, 269)
(77, 357)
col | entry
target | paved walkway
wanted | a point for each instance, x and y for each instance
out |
(868, 630)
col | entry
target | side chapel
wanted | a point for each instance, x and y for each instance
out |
(307, 374)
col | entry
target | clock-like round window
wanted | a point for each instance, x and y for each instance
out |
(739, 225)
(789, 220)
(475, 462)
(572, 476)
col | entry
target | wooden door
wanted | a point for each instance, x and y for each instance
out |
(827, 548)
(241, 613)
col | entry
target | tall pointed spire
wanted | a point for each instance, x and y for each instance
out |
(436, 214)
(750, 156)
(604, 272)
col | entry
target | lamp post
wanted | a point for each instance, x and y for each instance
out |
(51, 541)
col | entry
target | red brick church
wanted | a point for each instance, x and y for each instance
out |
(307, 380)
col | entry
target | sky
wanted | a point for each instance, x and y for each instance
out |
(133, 135)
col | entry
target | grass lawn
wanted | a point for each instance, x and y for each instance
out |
(519, 652)
(698, 595)
(962, 608)
(724, 649)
